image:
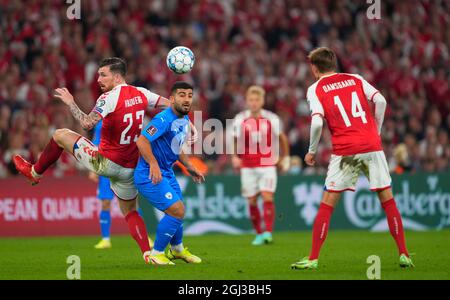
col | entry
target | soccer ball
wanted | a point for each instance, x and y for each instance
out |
(180, 60)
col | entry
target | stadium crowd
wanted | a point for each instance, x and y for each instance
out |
(237, 43)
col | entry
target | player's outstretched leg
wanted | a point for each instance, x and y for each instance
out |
(136, 226)
(141, 213)
(320, 230)
(255, 217)
(269, 216)
(63, 139)
(177, 250)
(395, 224)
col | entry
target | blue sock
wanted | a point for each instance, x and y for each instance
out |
(165, 231)
(177, 237)
(105, 223)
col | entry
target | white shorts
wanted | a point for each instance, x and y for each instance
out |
(257, 180)
(122, 182)
(344, 171)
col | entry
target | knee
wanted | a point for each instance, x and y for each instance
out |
(385, 195)
(253, 201)
(177, 210)
(180, 212)
(267, 197)
(59, 134)
(127, 206)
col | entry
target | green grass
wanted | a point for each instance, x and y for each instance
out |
(229, 257)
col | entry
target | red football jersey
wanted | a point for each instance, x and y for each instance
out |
(257, 138)
(343, 100)
(122, 110)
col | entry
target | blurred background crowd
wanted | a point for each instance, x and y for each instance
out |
(237, 43)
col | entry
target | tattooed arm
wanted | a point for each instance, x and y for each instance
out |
(87, 121)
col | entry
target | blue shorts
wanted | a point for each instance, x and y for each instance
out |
(162, 195)
(104, 191)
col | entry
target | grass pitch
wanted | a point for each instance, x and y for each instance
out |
(228, 257)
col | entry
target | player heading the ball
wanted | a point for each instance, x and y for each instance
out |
(122, 108)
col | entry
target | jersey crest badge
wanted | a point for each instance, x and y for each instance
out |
(152, 130)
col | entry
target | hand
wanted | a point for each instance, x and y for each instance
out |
(64, 95)
(155, 173)
(235, 162)
(284, 164)
(197, 176)
(310, 159)
(193, 136)
(93, 177)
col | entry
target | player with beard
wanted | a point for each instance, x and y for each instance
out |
(160, 146)
(122, 108)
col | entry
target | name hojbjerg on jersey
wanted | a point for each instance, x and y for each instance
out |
(133, 101)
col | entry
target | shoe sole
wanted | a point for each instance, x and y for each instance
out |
(191, 262)
(406, 266)
(299, 268)
(172, 258)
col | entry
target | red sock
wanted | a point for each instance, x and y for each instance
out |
(269, 215)
(320, 229)
(137, 229)
(49, 156)
(395, 225)
(255, 216)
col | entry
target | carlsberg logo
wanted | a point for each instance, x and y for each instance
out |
(215, 211)
(427, 209)
(420, 211)
(217, 205)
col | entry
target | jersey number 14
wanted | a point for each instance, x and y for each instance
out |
(357, 110)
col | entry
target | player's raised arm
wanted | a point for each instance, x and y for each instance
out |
(87, 121)
(154, 100)
(163, 103)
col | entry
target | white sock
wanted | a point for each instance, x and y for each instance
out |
(34, 173)
(146, 253)
(178, 248)
(106, 239)
(156, 252)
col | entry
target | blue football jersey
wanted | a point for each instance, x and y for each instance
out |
(97, 133)
(166, 133)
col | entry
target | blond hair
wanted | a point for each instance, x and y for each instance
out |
(256, 89)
